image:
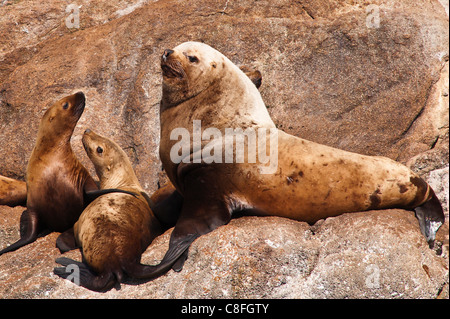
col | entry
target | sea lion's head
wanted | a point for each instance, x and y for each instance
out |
(189, 69)
(103, 153)
(192, 67)
(110, 161)
(62, 117)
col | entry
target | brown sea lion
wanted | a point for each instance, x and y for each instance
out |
(305, 181)
(58, 185)
(115, 229)
(12, 192)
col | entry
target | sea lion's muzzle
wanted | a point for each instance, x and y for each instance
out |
(80, 103)
(166, 54)
(171, 67)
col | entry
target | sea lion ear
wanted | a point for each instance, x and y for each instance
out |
(254, 75)
(213, 64)
(256, 78)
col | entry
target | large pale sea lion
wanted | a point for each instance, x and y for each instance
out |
(305, 181)
(115, 229)
(58, 186)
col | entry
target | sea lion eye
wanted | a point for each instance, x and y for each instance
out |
(192, 58)
(99, 150)
(65, 106)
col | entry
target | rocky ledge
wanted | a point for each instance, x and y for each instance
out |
(376, 254)
(372, 79)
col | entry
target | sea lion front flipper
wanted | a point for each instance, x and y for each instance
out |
(178, 265)
(177, 249)
(202, 212)
(431, 217)
(199, 216)
(91, 191)
(66, 241)
(29, 231)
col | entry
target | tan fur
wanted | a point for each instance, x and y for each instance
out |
(12, 192)
(312, 181)
(53, 171)
(56, 182)
(116, 228)
(208, 98)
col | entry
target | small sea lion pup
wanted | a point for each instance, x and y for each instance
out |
(57, 184)
(305, 181)
(115, 229)
(12, 192)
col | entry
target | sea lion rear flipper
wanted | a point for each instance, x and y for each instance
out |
(80, 274)
(178, 265)
(431, 217)
(90, 196)
(176, 250)
(29, 231)
(66, 241)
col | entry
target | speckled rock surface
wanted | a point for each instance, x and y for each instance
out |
(373, 80)
(378, 254)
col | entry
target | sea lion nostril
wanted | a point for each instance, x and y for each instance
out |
(80, 96)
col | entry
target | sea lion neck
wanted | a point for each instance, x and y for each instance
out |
(115, 179)
(215, 104)
(174, 98)
(119, 174)
(52, 144)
